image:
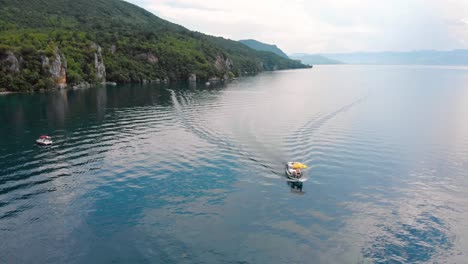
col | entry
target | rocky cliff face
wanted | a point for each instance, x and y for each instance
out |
(56, 67)
(148, 57)
(113, 49)
(224, 67)
(192, 77)
(223, 64)
(48, 71)
(9, 62)
(99, 63)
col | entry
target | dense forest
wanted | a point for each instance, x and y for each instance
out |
(50, 43)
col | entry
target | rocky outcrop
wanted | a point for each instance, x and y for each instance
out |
(192, 77)
(81, 85)
(45, 63)
(214, 79)
(223, 64)
(99, 63)
(149, 57)
(228, 64)
(113, 49)
(9, 62)
(56, 68)
(157, 80)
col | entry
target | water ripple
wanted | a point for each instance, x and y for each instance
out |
(202, 169)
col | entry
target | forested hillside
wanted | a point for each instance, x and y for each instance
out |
(50, 43)
(257, 45)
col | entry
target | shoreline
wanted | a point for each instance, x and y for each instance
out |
(7, 92)
(110, 83)
(82, 86)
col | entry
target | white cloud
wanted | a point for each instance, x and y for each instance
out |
(325, 25)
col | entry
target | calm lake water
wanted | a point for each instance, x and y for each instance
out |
(190, 174)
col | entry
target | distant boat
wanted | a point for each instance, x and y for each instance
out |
(44, 140)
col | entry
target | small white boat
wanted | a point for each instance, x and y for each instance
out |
(44, 140)
(294, 173)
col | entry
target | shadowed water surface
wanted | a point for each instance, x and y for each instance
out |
(193, 174)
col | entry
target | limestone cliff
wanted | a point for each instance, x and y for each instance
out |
(9, 62)
(56, 68)
(148, 57)
(192, 77)
(99, 63)
(224, 66)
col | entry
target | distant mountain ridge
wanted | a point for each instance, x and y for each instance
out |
(257, 45)
(422, 57)
(314, 59)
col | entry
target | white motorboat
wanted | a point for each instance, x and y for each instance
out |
(294, 171)
(44, 140)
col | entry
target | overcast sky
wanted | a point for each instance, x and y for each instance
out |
(318, 26)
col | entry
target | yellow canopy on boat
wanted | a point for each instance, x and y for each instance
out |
(298, 165)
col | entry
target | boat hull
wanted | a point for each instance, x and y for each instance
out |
(44, 142)
(302, 179)
(292, 177)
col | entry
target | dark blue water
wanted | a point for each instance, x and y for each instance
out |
(193, 174)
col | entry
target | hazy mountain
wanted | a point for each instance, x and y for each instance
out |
(425, 57)
(314, 59)
(257, 45)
